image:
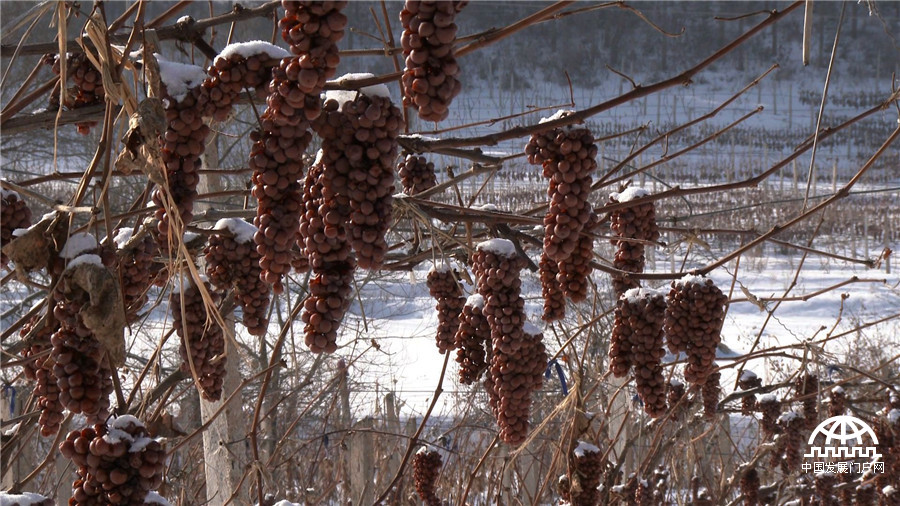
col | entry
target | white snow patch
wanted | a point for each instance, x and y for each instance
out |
(629, 194)
(77, 244)
(487, 207)
(155, 498)
(85, 259)
(422, 450)
(23, 499)
(184, 19)
(767, 398)
(188, 237)
(441, 266)
(888, 491)
(123, 235)
(253, 48)
(117, 436)
(285, 502)
(344, 96)
(893, 416)
(475, 300)
(531, 329)
(19, 232)
(585, 447)
(838, 390)
(562, 113)
(788, 416)
(140, 443)
(499, 247)
(692, 279)
(12, 430)
(179, 78)
(243, 231)
(4, 193)
(635, 294)
(747, 375)
(319, 154)
(676, 383)
(126, 420)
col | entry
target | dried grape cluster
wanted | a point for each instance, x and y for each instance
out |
(710, 394)
(769, 407)
(675, 399)
(359, 142)
(807, 388)
(14, 213)
(426, 468)
(312, 29)
(567, 157)
(430, 78)
(443, 286)
(748, 381)
(750, 486)
(87, 89)
(416, 174)
(202, 339)
(233, 262)
(587, 467)
(694, 317)
(238, 67)
(631, 225)
(331, 260)
(787, 452)
(473, 340)
(824, 487)
(637, 340)
(518, 358)
(40, 370)
(137, 270)
(80, 363)
(116, 464)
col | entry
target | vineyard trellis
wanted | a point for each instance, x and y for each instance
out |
(165, 237)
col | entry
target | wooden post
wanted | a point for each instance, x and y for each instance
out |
(224, 451)
(361, 462)
(12, 402)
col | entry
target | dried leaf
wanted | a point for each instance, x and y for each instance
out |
(141, 150)
(102, 311)
(36, 248)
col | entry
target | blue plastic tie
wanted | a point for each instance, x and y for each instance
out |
(559, 372)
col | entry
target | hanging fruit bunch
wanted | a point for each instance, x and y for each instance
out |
(444, 287)
(769, 407)
(807, 389)
(637, 340)
(837, 401)
(426, 468)
(239, 66)
(567, 156)
(312, 29)
(631, 226)
(748, 381)
(710, 394)
(87, 87)
(787, 450)
(473, 341)
(675, 399)
(40, 370)
(585, 468)
(82, 363)
(233, 262)
(14, 214)
(325, 242)
(137, 269)
(430, 78)
(518, 358)
(694, 316)
(416, 174)
(750, 486)
(202, 339)
(117, 463)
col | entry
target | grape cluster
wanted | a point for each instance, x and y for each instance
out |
(643, 494)
(416, 174)
(865, 495)
(769, 407)
(40, 370)
(518, 358)
(233, 262)
(787, 452)
(359, 140)
(567, 157)
(551, 291)
(117, 463)
(575, 271)
(426, 468)
(87, 89)
(80, 363)
(138, 271)
(631, 225)
(430, 78)
(748, 381)
(824, 486)
(444, 287)
(472, 338)
(750, 487)
(674, 394)
(331, 260)
(231, 73)
(14, 213)
(202, 339)
(312, 29)
(807, 387)
(182, 144)
(710, 394)
(587, 467)
(637, 340)
(694, 317)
